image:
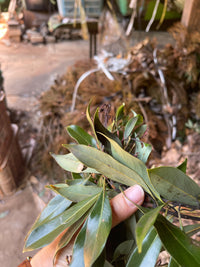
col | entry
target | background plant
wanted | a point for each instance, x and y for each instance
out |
(102, 165)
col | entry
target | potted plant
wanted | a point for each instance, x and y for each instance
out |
(102, 165)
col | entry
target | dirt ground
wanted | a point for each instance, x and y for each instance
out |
(28, 71)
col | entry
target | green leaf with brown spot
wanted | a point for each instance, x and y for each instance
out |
(175, 185)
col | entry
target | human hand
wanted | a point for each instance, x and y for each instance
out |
(122, 209)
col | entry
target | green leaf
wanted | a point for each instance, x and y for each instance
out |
(191, 229)
(142, 150)
(122, 249)
(107, 264)
(133, 163)
(145, 224)
(101, 260)
(183, 166)
(77, 192)
(120, 112)
(140, 131)
(98, 229)
(81, 136)
(46, 233)
(177, 243)
(106, 165)
(76, 176)
(174, 185)
(56, 206)
(151, 247)
(78, 181)
(78, 249)
(173, 263)
(70, 163)
(65, 239)
(88, 115)
(130, 126)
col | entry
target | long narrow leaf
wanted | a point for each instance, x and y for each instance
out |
(173, 263)
(120, 112)
(133, 163)
(151, 247)
(56, 206)
(175, 185)
(78, 249)
(46, 233)
(81, 136)
(123, 248)
(177, 243)
(130, 126)
(77, 192)
(145, 224)
(88, 115)
(106, 165)
(142, 150)
(70, 232)
(70, 163)
(98, 229)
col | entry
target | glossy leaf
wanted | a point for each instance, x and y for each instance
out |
(120, 112)
(56, 206)
(81, 136)
(133, 163)
(70, 163)
(88, 115)
(77, 192)
(142, 150)
(70, 232)
(122, 249)
(98, 229)
(145, 224)
(151, 247)
(175, 185)
(107, 165)
(177, 243)
(78, 249)
(183, 166)
(173, 263)
(140, 131)
(130, 126)
(140, 117)
(45, 233)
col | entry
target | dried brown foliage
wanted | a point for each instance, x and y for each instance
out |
(141, 89)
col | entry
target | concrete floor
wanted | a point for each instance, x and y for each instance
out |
(28, 71)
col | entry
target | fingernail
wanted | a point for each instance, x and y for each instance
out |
(135, 194)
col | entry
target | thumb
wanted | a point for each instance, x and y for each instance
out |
(122, 208)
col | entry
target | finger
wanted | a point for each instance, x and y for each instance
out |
(122, 208)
